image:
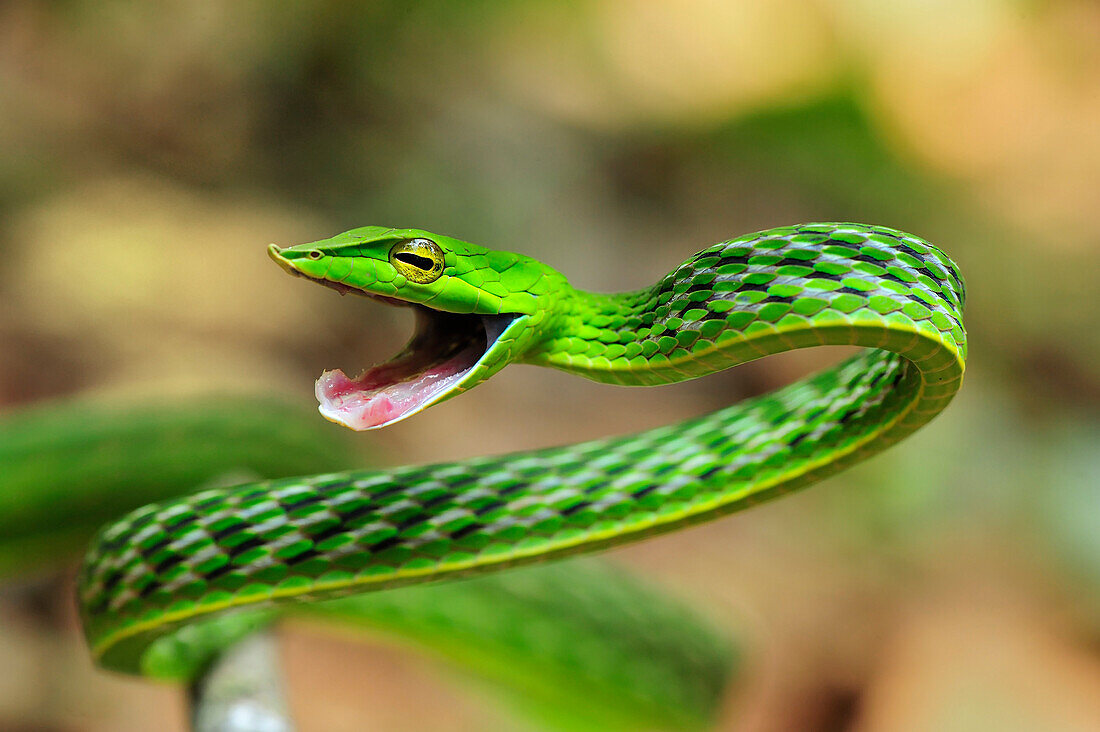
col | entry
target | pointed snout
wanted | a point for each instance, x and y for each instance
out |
(304, 259)
(276, 253)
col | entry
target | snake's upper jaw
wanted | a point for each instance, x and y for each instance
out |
(445, 350)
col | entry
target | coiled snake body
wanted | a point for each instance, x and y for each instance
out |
(172, 564)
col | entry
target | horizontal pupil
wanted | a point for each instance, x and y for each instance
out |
(415, 260)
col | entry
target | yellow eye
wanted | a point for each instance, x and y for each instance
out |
(419, 260)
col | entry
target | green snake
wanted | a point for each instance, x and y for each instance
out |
(165, 567)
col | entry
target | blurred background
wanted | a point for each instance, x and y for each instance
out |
(150, 151)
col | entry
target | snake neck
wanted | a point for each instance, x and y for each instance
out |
(597, 335)
(794, 287)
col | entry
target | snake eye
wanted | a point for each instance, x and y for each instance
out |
(419, 260)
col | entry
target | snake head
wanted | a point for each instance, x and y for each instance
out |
(476, 311)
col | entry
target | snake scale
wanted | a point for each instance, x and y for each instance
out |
(165, 566)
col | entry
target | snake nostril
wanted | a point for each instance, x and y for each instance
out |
(315, 254)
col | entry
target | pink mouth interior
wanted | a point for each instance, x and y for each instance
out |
(441, 353)
(386, 394)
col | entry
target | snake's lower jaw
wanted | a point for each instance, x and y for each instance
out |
(359, 405)
(443, 352)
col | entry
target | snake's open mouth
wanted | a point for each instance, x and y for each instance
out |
(444, 349)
